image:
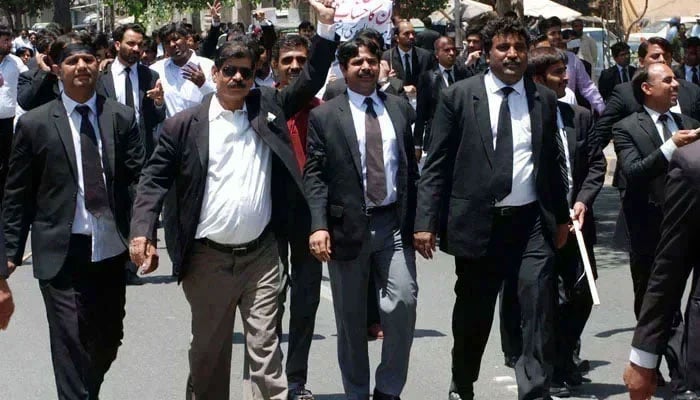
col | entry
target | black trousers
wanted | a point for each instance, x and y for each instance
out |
(520, 255)
(6, 129)
(692, 336)
(85, 309)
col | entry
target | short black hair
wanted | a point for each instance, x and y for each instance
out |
(236, 48)
(437, 41)
(619, 47)
(351, 48)
(640, 77)
(503, 26)
(541, 58)
(172, 28)
(20, 51)
(119, 31)
(372, 34)
(692, 41)
(289, 42)
(474, 31)
(547, 24)
(5, 31)
(655, 40)
(306, 25)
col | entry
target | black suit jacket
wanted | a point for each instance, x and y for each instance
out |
(644, 166)
(430, 85)
(622, 103)
(676, 254)
(151, 115)
(609, 78)
(338, 87)
(452, 199)
(422, 61)
(181, 157)
(4, 272)
(426, 38)
(42, 184)
(333, 174)
(587, 162)
(36, 87)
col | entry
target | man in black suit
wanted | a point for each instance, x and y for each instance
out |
(473, 57)
(406, 59)
(142, 90)
(585, 174)
(690, 68)
(500, 210)
(621, 72)
(426, 38)
(360, 181)
(644, 142)
(232, 193)
(676, 257)
(7, 304)
(430, 85)
(73, 162)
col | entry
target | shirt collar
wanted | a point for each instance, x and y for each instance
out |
(443, 69)
(118, 67)
(494, 85)
(216, 109)
(70, 104)
(401, 52)
(359, 100)
(655, 115)
(192, 59)
(689, 69)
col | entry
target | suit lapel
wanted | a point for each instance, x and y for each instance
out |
(483, 119)
(349, 133)
(106, 125)
(535, 108)
(568, 117)
(200, 125)
(108, 83)
(648, 126)
(66, 135)
(398, 63)
(144, 78)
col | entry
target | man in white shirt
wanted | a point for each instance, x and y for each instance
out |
(10, 68)
(233, 174)
(22, 41)
(645, 142)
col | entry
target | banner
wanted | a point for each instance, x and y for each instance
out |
(354, 15)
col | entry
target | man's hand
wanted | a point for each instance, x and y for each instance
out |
(419, 155)
(410, 90)
(473, 57)
(7, 305)
(194, 74)
(104, 64)
(681, 138)
(43, 62)
(424, 243)
(215, 11)
(143, 254)
(324, 10)
(561, 236)
(156, 94)
(641, 382)
(384, 70)
(579, 213)
(320, 245)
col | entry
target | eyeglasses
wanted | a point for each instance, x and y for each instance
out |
(230, 71)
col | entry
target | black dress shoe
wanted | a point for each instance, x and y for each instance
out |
(583, 365)
(132, 279)
(510, 361)
(383, 396)
(559, 390)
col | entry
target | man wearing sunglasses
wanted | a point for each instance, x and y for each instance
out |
(234, 175)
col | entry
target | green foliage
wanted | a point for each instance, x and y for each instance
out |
(157, 11)
(31, 7)
(418, 8)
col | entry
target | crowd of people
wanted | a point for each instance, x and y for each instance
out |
(263, 156)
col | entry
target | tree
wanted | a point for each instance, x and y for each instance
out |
(14, 9)
(418, 8)
(61, 14)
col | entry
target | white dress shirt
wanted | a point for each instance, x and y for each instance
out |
(390, 148)
(119, 78)
(106, 240)
(565, 141)
(237, 204)
(180, 93)
(444, 74)
(403, 58)
(668, 147)
(268, 81)
(569, 97)
(523, 187)
(10, 68)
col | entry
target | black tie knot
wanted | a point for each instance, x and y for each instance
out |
(507, 90)
(127, 70)
(83, 110)
(663, 118)
(370, 104)
(448, 71)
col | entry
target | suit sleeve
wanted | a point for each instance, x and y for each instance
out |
(636, 167)
(605, 85)
(29, 85)
(557, 186)
(614, 112)
(431, 185)
(315, 185)
(597, 164)
(4, 272)
(156, 179)
(135, 153)
(208, 48)
(673, 261)
(424, 96)
(20, 194)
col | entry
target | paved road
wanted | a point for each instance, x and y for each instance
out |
(152, 362)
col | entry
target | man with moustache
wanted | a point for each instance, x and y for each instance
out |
(491, 186)
(473, 57)
(645, 142)
(74, 161)
(360, 180)
(233, 173)
(289, 55)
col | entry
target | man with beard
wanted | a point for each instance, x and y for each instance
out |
(406, 59)
(289, 55)
(473, 57)
(234, 175)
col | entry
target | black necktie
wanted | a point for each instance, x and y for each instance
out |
(563, 170)
(696, 80)
(625, 76)
(450, 79)
(407, 68)
(129, 89)
(374, 156)
(93, 182)
(502, 180)
(663, 118)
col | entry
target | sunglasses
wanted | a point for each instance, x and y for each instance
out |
(230, 71)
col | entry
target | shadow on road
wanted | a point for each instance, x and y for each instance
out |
(607, 334)
(330, 396)
(238, 338)
(421, 333)
(600, 390)
(158, 279)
